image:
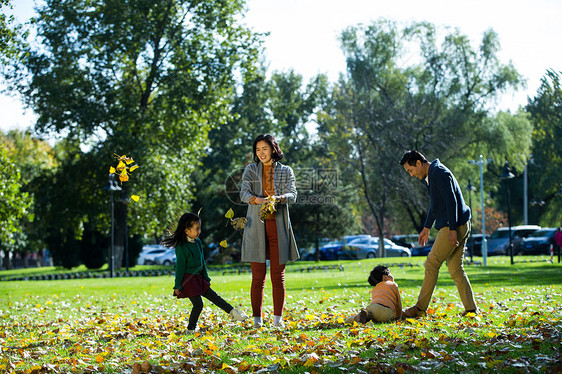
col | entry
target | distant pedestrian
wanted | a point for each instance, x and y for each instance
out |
(558, 238)
(268, 234)
(192, 280)
(386, 303)
(451, 216)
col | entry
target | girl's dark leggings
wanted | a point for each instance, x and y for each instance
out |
(197, 302)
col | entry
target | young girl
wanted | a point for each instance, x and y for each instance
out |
(192, 280)
(386, 303)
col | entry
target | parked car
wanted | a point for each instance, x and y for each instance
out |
(422, 250)
(498, 244)
(149, 253)
(330, 251)
(309, 253)
(538, 243)
(368, 247)
(408, 241)
(477, 239)
(167, 258)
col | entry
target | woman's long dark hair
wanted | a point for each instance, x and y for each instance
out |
(277, 153)
(178, 237)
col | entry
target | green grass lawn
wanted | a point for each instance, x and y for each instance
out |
(116, 325)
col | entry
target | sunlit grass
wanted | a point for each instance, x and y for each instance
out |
(111, 324)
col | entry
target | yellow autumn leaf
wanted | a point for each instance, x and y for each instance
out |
(123, 177)
(99, 359)
(135, 197)
(229, 214)
(133, 167)
(129, 161)
(111, 170)
(223, 244)
(120, 165)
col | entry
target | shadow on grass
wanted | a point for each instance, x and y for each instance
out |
(497, 276)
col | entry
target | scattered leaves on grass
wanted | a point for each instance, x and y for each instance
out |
(140, 333)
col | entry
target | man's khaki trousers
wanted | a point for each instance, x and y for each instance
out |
(443, 251)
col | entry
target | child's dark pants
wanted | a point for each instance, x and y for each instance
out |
(198, 306)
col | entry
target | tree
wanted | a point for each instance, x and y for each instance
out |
(384, 106)
(142, 78)
(280, 106)
(15, 203)
(544, 169)
(10, 44)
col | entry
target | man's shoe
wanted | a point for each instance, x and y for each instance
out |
(413, 312)
(466, 312)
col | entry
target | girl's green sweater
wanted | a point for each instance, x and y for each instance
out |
(190, 259)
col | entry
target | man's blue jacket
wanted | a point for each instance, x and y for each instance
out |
(447, 206)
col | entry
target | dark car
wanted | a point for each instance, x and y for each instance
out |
(408, 241)
(498, 244)
(422, 250)
(538, 243)
(330, 251)
(474, 242)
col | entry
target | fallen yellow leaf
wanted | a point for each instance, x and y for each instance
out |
(223, 244)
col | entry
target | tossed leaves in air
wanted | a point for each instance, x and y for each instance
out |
(223, 244)
(229, 214)
(125, 166)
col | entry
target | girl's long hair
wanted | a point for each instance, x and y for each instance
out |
(178, 237)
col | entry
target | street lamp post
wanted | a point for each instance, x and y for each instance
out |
(470, 188)
(507, 175)
(112, 187)
(480, 163)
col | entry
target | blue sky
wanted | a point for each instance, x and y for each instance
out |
(303, 35)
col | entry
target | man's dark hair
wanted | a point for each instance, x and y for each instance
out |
(377, 274)
(412, 157)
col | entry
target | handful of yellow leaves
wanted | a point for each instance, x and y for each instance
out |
(267, 208)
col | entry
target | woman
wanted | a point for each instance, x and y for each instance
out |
(271, 238)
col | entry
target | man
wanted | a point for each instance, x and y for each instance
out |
(452, 218)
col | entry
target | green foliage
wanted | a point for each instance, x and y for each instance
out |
(15, 203)
(546, 162)
(10, 43)
(93, 249)
(142, 78)
(281, 106)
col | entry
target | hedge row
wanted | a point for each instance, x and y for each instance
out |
(170, 272)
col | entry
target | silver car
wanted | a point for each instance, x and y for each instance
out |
(368, 247)
(149, 253)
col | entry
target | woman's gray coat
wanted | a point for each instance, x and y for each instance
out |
(253, 242)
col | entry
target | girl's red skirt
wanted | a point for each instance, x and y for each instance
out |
(193, 285)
